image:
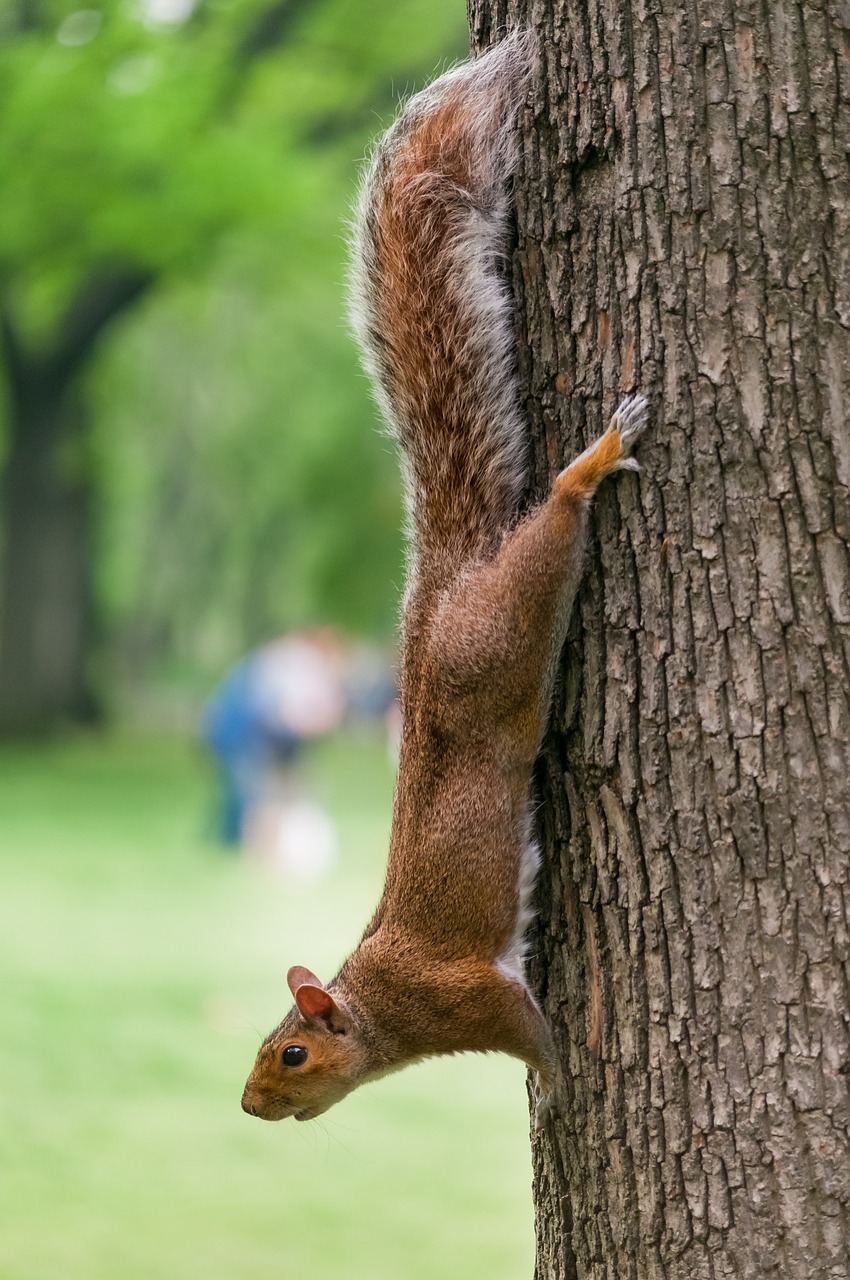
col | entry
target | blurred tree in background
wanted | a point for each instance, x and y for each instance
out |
(180, 485)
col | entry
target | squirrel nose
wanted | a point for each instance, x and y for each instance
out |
(247, 1106)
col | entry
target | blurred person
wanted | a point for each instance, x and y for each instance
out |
(371, 684)
(288, 692)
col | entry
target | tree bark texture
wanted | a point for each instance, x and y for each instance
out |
(683, 215)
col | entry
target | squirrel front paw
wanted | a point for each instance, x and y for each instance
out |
(542, 1092)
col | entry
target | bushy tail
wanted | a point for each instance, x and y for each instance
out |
(432, 309)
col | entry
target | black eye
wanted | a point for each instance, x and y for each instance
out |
(294, 1055)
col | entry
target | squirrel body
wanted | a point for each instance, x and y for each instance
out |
(439, 968)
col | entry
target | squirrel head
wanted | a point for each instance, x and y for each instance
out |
(312, 1060)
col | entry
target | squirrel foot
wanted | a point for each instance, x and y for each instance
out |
(629, 421)
(542, 1093)
(610, 453)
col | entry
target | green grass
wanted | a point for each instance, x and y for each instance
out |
(138, 968)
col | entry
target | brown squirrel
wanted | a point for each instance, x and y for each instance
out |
(439, 968)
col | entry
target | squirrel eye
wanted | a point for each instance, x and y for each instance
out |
(294, 1055)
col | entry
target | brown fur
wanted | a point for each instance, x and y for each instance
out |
(438, 969)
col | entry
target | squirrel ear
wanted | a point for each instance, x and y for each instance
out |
(314, 1002)
(318, 1005)
(298, 975)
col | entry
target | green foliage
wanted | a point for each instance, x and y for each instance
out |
(138, 968)
(241, 486)
(247, 488)
(132, 140)
(113, 149)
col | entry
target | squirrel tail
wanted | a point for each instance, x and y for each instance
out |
(432, 309)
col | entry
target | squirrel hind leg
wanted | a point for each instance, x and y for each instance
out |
(629, 421)
(611, 452)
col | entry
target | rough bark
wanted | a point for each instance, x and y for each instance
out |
(683, 217)
(46, 594)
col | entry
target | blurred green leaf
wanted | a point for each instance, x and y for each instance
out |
(242, 486)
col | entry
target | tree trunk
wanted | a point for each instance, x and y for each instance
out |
(46, 570)
(46, 618)
(683, 212)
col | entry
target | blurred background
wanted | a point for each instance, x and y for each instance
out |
(199, 525)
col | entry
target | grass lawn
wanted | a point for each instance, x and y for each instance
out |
(139, 966)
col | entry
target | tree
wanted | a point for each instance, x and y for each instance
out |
(108, 187)
(136, 140)
(682, 213)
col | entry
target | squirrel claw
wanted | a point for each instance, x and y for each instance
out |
(542, 1103)
(630, 421)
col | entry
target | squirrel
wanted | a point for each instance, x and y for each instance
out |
(439, 968)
